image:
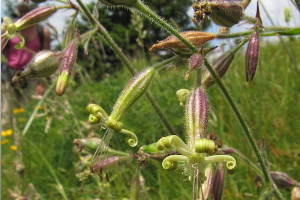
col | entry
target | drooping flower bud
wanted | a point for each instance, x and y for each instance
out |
(283, 180)
(128, 3)
(220, 66)
(218, 183)
(35, 16)
(196, 38)
(207, 185)
(251, 57)
(43, 64)
(132, 92)
(183, 95)
(67, 63)
(197, 111)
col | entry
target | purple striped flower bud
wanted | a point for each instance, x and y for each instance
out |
(132, 92)
(218, 183)
(207, 185)
(197, 110)
(220, 66)
(69, 35)
(35, 16)
(251, 57)
(283, 180)
(98, 166)
(68, 61)
(195, 62)
(43, 64)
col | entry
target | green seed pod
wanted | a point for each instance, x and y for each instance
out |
(43, 64)
(204, 146)
(132, 92)
(197, 111)
(220, 66)
(151, 148)
(67, 63)
(252, 56)
(127, 3)
(89, 144)
(35, 16)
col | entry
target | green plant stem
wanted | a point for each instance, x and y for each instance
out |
(88, 14)
(292, 58)
(149, 14)
(140, 7)
(28, 124)
(60, 187)
(118, 153)
(242, 122)
(104, 34)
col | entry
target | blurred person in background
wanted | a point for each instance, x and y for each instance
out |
(37, 37)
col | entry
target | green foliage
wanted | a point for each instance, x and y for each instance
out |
(276, 85)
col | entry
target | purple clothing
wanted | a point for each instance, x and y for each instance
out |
(19, 58)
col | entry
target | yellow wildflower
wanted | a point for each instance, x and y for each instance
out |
(13, 147)
(40, 107)
(47, 118)
(4, 142)
(20, 110)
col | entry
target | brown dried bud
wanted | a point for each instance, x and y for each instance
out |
(218, 184)
(220, 66)
(197, 111)
(226, 13)
(251, 57)
(196, 38)
(35, 16)
(282, 179)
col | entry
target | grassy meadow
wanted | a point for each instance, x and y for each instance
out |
(269, 104)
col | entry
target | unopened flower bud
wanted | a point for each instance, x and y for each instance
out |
(197, 111)
(195, 62)
(67, 63)
(106, 163)
(35, 16)
(207, 185)
(89, 144)
(43, 64)
(227, 150)
(128, 3)
(69, 35)
(135, 185)
(220, 66)
(218, 183)
(283, 180)
(132, 92)
(196, 38)
(183, 95)
(251, 57)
